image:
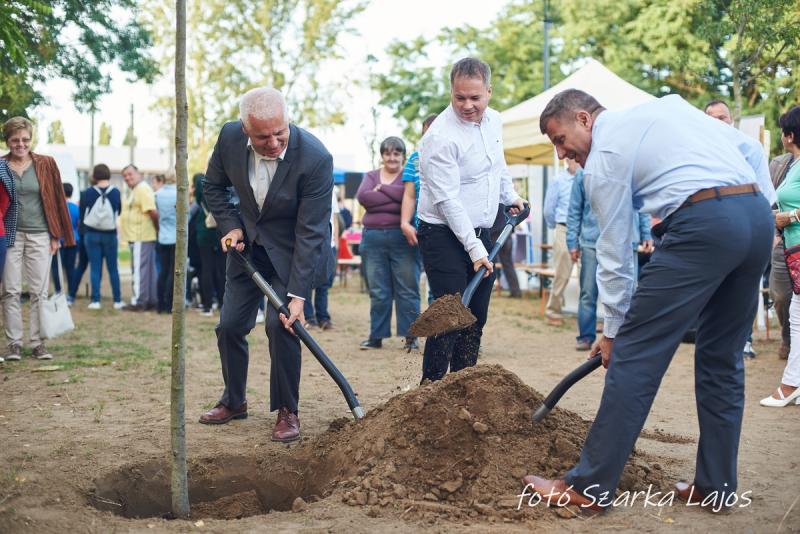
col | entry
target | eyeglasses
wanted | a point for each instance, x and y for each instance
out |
(19, 140)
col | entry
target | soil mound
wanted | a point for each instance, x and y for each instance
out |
(444, 314)
(453, 449)
(460, 447)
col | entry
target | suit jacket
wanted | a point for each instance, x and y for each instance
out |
(294, 222)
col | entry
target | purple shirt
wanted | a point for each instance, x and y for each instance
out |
(382, 207)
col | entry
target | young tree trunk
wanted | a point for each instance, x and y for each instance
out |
(180, 486)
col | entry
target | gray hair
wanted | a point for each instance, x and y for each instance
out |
(262, 103)
(566, 103)
(471, 67)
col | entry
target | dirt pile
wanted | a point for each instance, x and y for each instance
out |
(455, 449)
(460, 447)
(444, 314)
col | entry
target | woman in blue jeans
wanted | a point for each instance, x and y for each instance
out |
(391, 263)
(100, 223)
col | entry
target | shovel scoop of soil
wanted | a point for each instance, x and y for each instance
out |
(445, 314)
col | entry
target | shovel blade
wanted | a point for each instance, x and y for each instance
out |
(445, 314)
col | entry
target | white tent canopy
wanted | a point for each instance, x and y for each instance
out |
(522, 141)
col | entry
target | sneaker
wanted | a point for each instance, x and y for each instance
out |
(2, 359)
(94, 306)
(259, 316)
(325, 324)
(41, 352)
(411, 344)
(207, 313)
(371, 344)
(14, 353)
(119, 305)
(748, 350)
(70, 301)
(583, 344)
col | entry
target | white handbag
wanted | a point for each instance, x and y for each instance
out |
(54, 314)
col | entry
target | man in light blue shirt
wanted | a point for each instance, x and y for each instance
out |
(166, 200)
(710, 186)
(556, 206)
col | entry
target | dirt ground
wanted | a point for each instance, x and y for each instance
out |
(89, 440)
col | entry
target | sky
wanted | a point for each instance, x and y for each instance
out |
(382, 22)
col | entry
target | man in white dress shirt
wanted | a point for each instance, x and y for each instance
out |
(709, 184)
(463, 177)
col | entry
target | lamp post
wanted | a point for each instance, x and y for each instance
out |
(546, 60)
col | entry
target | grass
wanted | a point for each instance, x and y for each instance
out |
(75, 355)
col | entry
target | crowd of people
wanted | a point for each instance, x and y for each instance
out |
(269, 191)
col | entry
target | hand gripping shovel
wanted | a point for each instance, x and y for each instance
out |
(567, 382)
(302, 333)
(447, 313)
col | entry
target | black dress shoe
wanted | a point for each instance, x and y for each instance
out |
(371, 344)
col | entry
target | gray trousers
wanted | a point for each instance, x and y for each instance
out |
(144, 283)
(780, 290)
(694, 274)
(237, 319)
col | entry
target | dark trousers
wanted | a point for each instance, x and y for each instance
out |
(166, 277)
(68, 255)
(780, 290)
(449, 270)
(212, 275)
(237, 319)
(707, 268)
(83, 263)
(318, 311)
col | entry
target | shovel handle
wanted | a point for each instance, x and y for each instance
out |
(567, 382)
(511, 222)
(277, 303)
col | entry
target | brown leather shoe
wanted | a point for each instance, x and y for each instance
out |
(221, 414)
(556, 493)
(687, 492)
(287, 427)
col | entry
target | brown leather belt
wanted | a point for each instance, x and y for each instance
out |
(717, 192)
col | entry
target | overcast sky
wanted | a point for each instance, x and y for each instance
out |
(382, 22)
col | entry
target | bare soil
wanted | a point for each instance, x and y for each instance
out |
(86, 436)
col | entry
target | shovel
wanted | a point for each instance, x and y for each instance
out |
(448, 314)
(567, 382)
(302, 333)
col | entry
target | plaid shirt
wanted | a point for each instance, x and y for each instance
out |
(10, 218)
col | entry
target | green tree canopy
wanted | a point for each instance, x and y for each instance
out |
(104, 137)
(55, 133)
(72, 39)
(236, 45)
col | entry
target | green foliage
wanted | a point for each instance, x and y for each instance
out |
(236, 45)
(414, 86)
(72, 39)
(104, 136)
(55, 133)
(740, 50)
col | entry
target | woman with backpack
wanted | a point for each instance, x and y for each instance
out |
(100, 206)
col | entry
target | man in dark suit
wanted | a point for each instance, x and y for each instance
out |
(283, 177)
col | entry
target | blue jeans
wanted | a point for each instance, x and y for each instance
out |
(101, 245)
(393, 274)
(320, 300)
(587, 305)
